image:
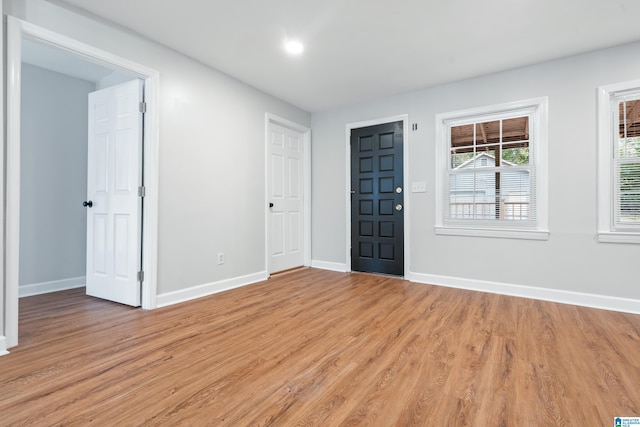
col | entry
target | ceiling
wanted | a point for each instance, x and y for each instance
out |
(45, 56)
(359, 50)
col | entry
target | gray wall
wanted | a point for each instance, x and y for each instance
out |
(113, 79)
(53, 175)
(212, 150)
(571, 259)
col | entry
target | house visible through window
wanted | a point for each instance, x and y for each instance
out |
(489, 161)
(490, 174)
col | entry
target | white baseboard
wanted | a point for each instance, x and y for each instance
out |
(53, 286)
(3, 345)
(199, 291)
(624, 305)
(326, 265)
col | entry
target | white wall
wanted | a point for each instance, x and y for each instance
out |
(211, 171)
(53, 176)
(571, 260)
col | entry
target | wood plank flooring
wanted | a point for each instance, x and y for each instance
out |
(318, 348)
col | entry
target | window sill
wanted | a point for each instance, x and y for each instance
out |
(617, 237)
(496, 233)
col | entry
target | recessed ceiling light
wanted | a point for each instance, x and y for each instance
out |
(294, 47)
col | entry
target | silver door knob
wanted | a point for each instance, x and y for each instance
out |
(398, 207)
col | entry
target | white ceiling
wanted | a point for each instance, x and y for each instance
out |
(44, 56)
(359, 50)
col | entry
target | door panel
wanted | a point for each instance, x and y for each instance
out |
(285, 191)
(114, 226)
(377, 201)
(98, 253)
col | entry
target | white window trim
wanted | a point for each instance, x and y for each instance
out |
(606, 230)
(541, 231)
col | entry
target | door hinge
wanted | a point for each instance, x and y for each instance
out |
(140, 276)
(143, 107)
(142, 191)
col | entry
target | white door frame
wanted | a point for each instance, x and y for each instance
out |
(405, 178)
(306, 203)
(3, 305)
(16, 30)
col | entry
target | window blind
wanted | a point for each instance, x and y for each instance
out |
(625, 111)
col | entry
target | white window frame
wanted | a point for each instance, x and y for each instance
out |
(607, 231)
(538, 230)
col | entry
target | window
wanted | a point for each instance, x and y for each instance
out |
(491, 172)
(619, 163)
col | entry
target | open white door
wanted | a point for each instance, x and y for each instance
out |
(285, 183)
(114, 206)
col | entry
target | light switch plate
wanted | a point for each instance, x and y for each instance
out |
(419, 187)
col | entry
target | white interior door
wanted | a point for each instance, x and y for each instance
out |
(286, 198)
(114, 174)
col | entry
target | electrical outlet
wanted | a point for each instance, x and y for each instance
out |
(220, 258)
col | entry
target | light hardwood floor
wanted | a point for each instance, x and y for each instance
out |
(318, 348)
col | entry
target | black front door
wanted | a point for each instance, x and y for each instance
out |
(377, 199)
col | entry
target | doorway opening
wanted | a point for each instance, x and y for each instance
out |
(22, 39)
